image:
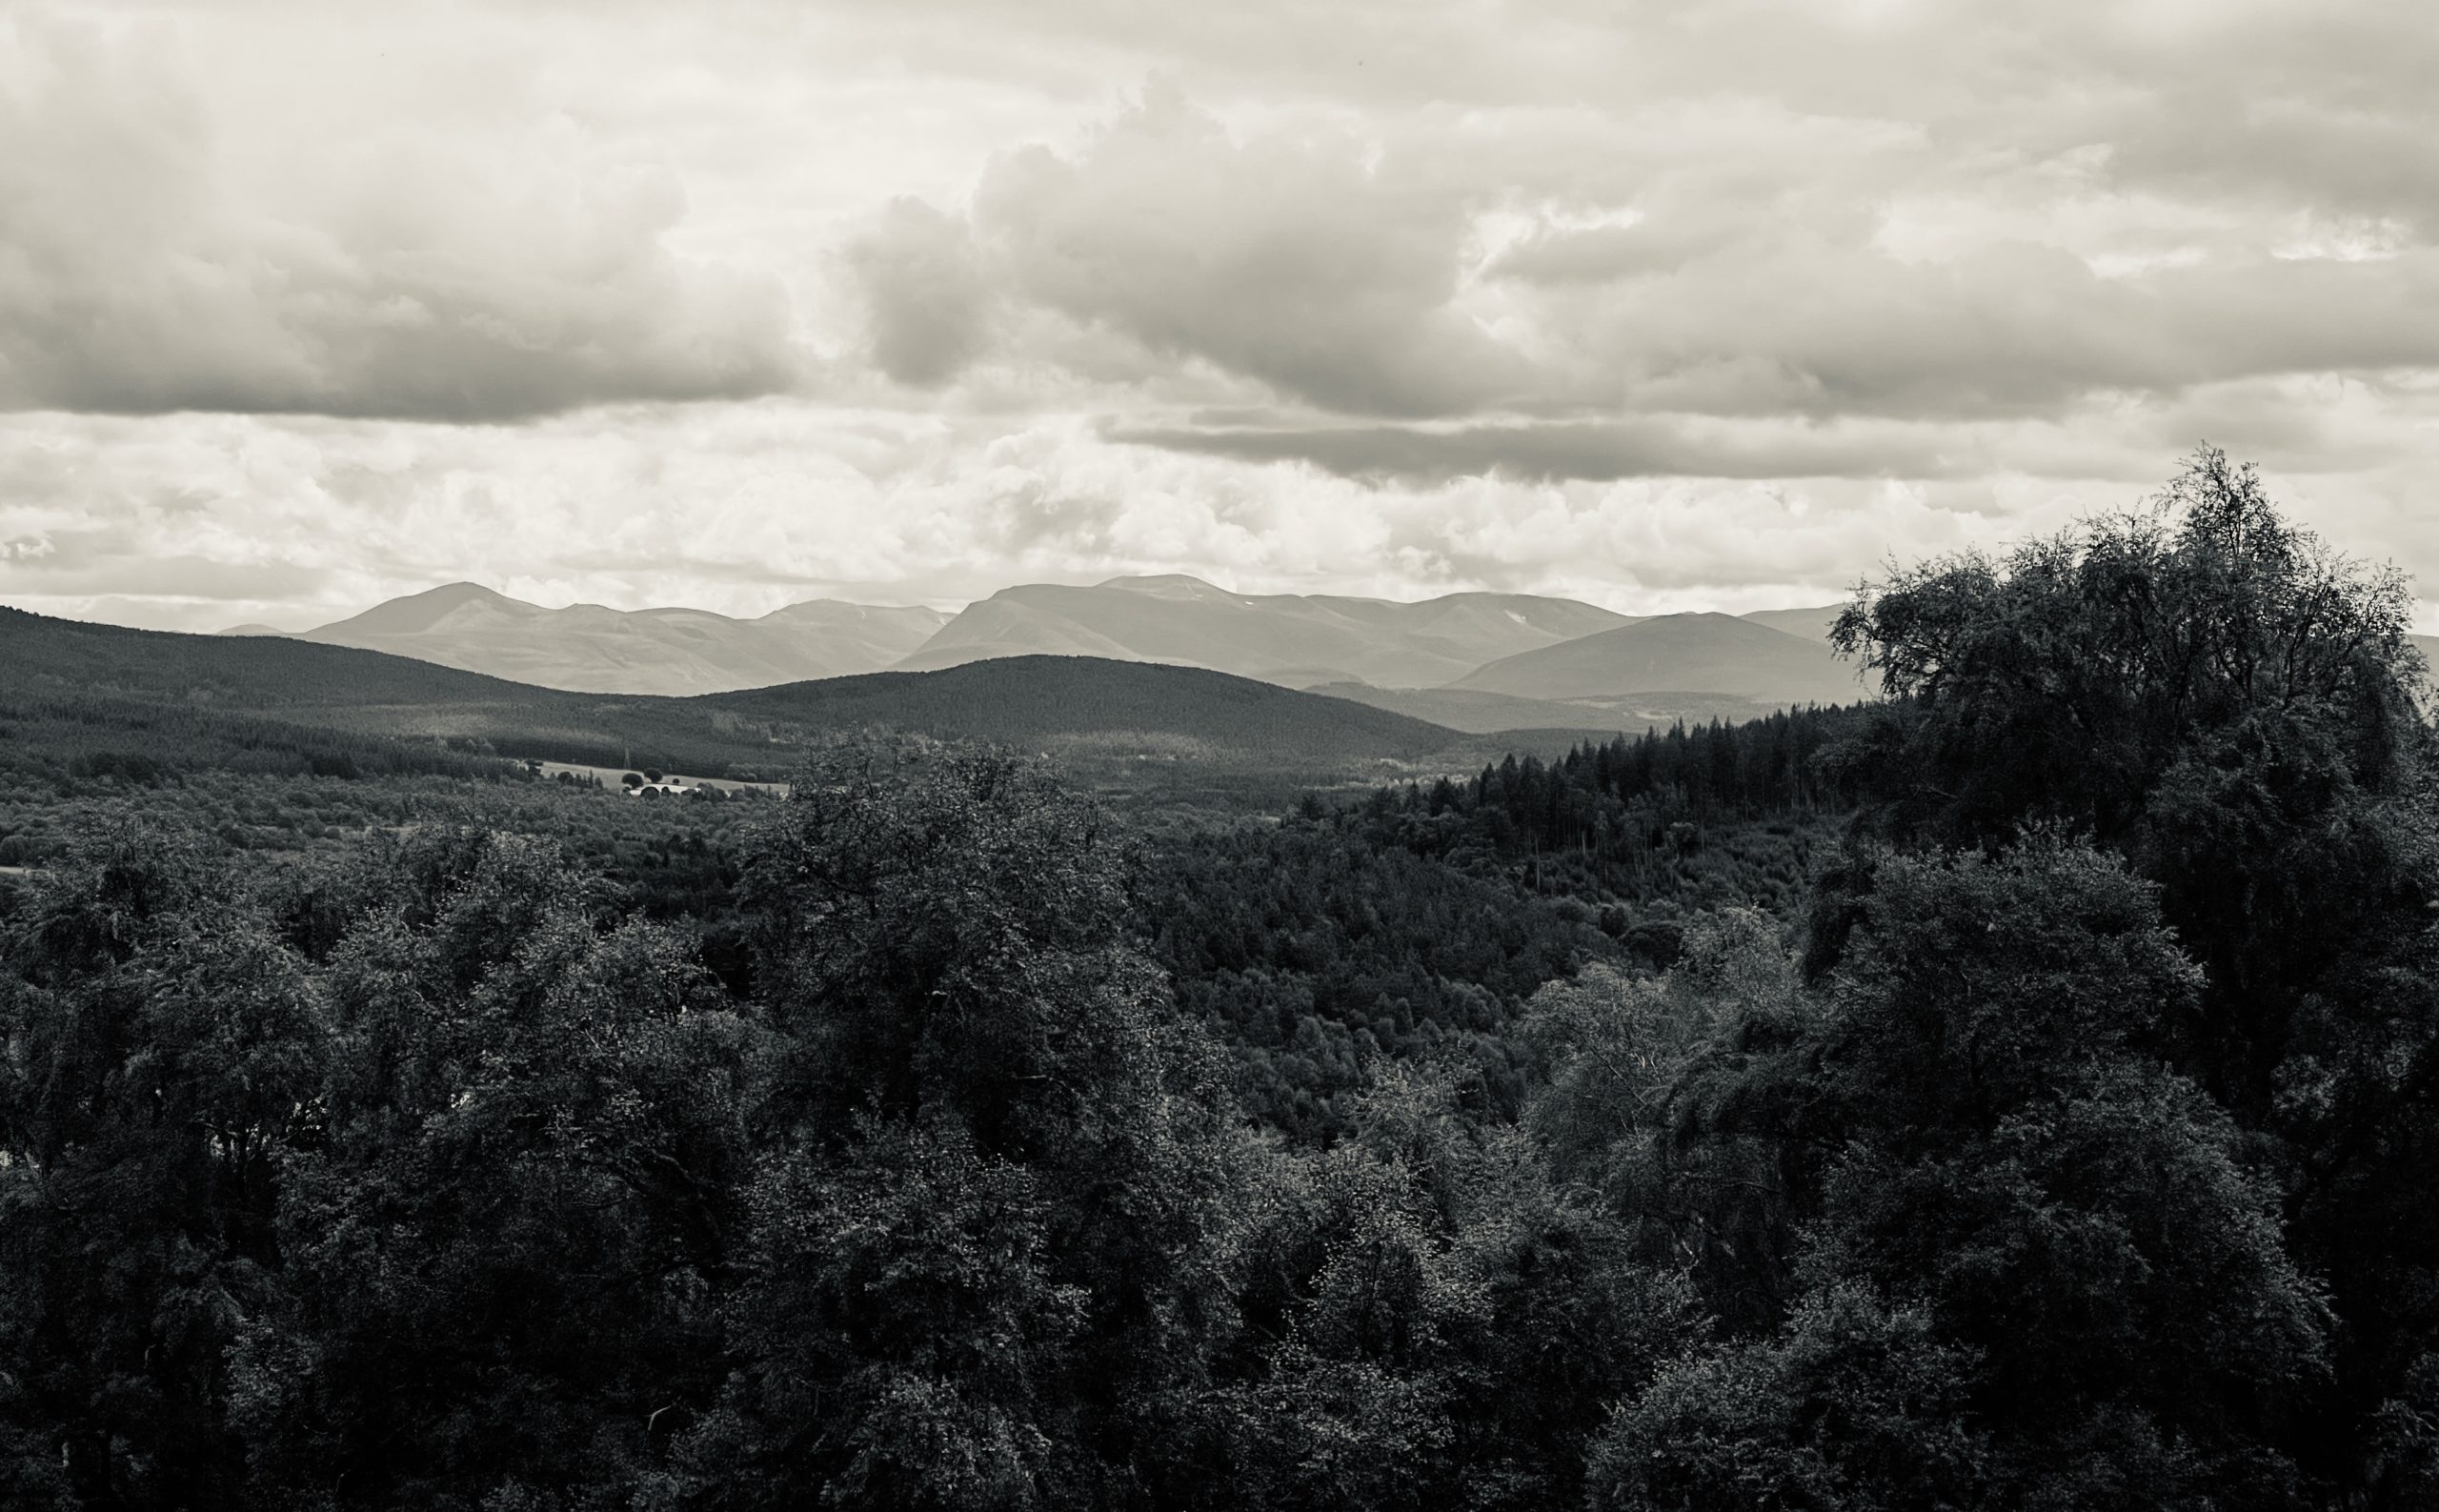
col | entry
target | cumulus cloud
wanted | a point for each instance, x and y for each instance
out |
(1279, 257)
(923, 282)
(2002, 328)
(1569, 291)
(403, 272)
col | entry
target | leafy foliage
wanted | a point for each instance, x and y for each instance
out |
(2234, 709)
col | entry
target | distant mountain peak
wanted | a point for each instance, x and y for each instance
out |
(839, 609)
(1167, 585)
(416, 612)
(448, 595)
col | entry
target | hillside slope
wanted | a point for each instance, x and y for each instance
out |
(1690, 652)
(1030, 699)
(587, 648)
(1487, 713)
(231, 671)
(1808, 624)
(79, 682)
(1288, 638)
(1474, 712)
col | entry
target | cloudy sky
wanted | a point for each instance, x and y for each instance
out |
(1664, 305)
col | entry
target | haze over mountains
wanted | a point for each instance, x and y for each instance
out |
(586, 648)
(1473, 661)
(1287, 638)
(1688, 653)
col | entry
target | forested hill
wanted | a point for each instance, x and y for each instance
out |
(1631, 818)
(76, 691)
(1034, 698)
(247, 671)
(82, 689)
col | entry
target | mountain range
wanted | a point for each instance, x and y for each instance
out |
(1288, 638)
(586, 648)
(1475, 661)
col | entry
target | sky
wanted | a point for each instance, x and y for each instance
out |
(1718, 303)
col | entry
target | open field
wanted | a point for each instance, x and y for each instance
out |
(613, 777)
